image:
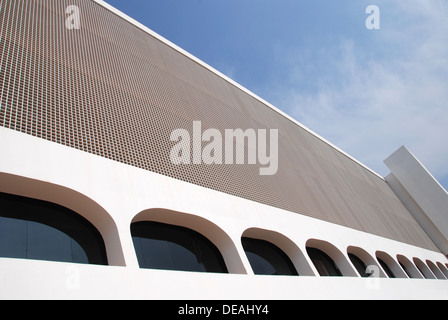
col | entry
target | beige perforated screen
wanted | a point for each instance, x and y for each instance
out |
(113, 90)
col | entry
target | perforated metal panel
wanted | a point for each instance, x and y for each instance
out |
(113, 90)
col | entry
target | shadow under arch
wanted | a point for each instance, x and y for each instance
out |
(285, 244)
(201, 225)
(390, 265)
(435, 270)
(443, 269)
(424, 269)
(335, 254)
(73, 200)
(408, 267)
(368, 260)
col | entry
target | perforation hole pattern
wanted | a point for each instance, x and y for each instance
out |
(113, 90)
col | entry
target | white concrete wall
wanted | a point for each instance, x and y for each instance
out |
(22, 279)
(422, 194)
(112, 195)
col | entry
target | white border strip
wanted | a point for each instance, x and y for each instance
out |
(203, 64)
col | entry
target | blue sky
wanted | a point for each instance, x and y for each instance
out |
(366, 91)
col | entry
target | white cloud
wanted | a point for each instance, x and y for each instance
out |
(370, 102)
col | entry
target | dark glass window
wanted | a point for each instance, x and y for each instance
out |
(163, 246)
(34, 229)
(386, 268)
(421, 271)
(405, 269)
(323, 263)
(359, 265)
(266, 258)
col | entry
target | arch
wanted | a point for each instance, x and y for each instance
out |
(40, 230)
(204, 227)
(288, 247)
(368, 266)
(266, 258)
(409, 267)
(167, 247)
(435, 270)
(315, 248)
(443, 269)
(423, 268)
(389, 265)
(73, 200)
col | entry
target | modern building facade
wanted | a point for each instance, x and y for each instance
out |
(93, 206)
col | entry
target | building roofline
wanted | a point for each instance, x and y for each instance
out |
(223, 76)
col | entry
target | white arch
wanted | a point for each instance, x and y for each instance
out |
(286, 245)
(73, 200)
(201, 225)
(334, 253)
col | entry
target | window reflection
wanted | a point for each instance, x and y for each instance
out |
(34, 229)
(323, 263)
(386, 268)
(406, 270)
(163, 246)
(359, 265)
(266, 258)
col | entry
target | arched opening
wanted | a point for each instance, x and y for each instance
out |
(359, 265)
(281, 251)
(73, 200)
(409, 267)
(436, 271)
(323, 263)
(364, 263)
(163, 246)
(423, 268)
(443, 269)
(266, 258)
(41, 230)
(389, 265)
(197, 227)
(328, 260)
